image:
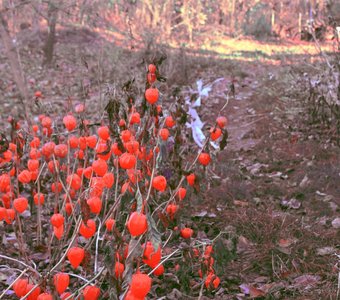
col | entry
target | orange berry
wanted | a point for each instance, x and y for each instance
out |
(60, 150)
(88, 172)
(126, 187)
(103, 151)
(132, 146)
(150, 256)
(119, 269)
(24, 176)
(159, 271)
(40, 117)
(38, 94)
(171, 210)
(33, 164)
(181, 193)
(20, 204)
(91, 292)
(47, 149)
(152, 68)
(20, 287)
(97, 186)
(47, 131)
(82, 142)
(75, 255)
(45, 296)
(100, 167)
(56, 187)
(5, 181)
(151, 95)
(137, 224)
(204, 159)
(222, 121)
(125, 135)
(134, 175)
(73, 141)
(164, 134)
(39, 199)
(95, 204)
(215, 133)
(151, 78)
(108, 180)
(169, 122)
(74, 181)
(68, 208)
(46, 122)
(186, 233)
(2, 213)
(35, 128)
(12, 147)
(79, 154)
(33, 295)
(109, 224)
(70, 122)
(10, 215)
(104, 132)
(208, 251)
(135, 118)
(61, 282)
(52, 167)
(140, 284)
(212, 281)
(159, 183)
(57, 220)
(115, 150)
(122, 123)
(35, 143)
(91, 141)
(88, 230)
(191, 179)
(127, 161)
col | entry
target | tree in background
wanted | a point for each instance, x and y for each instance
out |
(171, 21)
(52, 16)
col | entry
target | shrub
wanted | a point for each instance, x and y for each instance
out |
(323, 94)
(102, 196)
(257, 22)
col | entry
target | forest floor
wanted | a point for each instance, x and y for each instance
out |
(273, 194)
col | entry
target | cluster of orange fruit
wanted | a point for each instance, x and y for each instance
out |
(96, 157)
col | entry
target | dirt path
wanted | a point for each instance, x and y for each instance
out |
(278, 196)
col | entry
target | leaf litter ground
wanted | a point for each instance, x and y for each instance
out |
(273, 195)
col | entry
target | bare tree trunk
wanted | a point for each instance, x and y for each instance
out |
(50, 41)
(14, 63)
(150, 19)
(166, 17)
(82, 12)
(300, 24)
(232, 17)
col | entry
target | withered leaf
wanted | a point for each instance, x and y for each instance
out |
(154, 234)
(4, 144)
(224, 141)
